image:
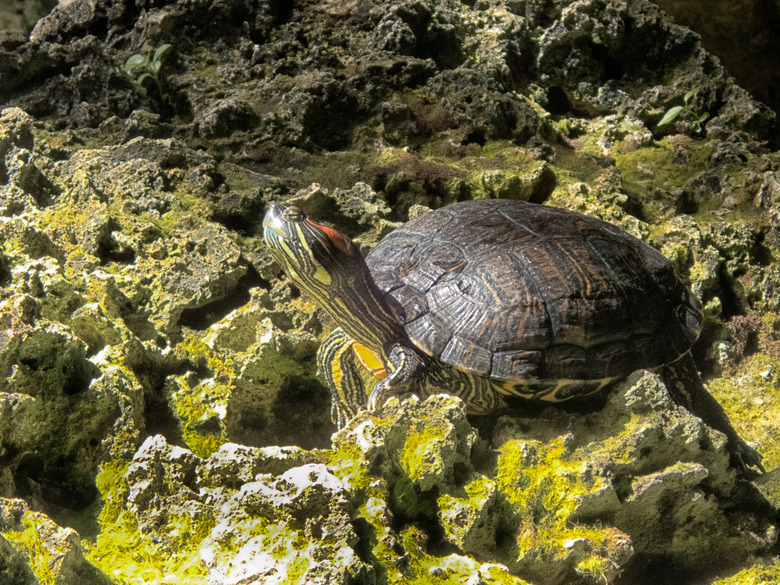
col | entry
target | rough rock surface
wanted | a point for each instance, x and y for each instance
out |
(751, 40)
(160, 396)
(639, 487)
(34, 549)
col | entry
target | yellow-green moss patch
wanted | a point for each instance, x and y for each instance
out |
(29, 541)
(122, 551)
(544, 484)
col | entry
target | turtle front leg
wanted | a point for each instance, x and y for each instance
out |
(345, 375)
(682, 379)
(405, 373)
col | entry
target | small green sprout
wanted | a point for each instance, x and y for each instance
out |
(696, 115)
(150, 65)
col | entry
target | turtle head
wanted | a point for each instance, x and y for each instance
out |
(328, 266)
(317, 258)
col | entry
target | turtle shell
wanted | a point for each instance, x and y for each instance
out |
(519, 291)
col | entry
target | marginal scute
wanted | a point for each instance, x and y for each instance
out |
(690, 314)
(512, 365)
(566, 361)
(471, 356)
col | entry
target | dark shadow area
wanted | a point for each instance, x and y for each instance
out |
(152, 371)
(751, 49)
(201, 318)
(299, 414)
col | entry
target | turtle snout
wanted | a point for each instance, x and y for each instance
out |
(273, 219)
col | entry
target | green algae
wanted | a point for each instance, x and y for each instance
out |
(655, 166)
(29, 541)
(531, 500)
(200, 407)
(198, 410)
(347, 461)
(435, 172)
(470, 520)
(751, 399)
(419, 567)
(275, 539)
(763, 572)
(421, 452)
(544, 485)
(418, 455)
(130, 556)
(196, 351)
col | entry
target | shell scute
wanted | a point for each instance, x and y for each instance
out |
(519, 291)
(468, 355)
(429, 333)
(515, 365)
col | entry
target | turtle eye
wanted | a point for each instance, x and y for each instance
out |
(293, 213)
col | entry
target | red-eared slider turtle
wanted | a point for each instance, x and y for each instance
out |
(495, 299)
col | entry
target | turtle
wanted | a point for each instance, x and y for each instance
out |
(493, 301)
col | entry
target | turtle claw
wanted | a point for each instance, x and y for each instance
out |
(377, 398)
(746, 459)
(383, 392)
(405, 377)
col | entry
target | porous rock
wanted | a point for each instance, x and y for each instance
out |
(413, 489)
(233, 465)
(273, 393)
(50, 391)
(225, 117)
(23, 186)
(244, 526)
(32, 538)
(603, 478)
(306, 530)
(135, 258)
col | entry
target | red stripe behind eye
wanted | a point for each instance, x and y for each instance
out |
(340, 241)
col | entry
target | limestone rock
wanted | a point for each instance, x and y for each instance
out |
(411, 489)
(138, 306)
(14, 566)
(52, 391)
(306, 527)
(234, 465)
(471, 522)
(34, 549)
(23, 185)
(225, 117)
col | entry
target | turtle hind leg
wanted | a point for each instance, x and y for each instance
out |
(682, 379)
